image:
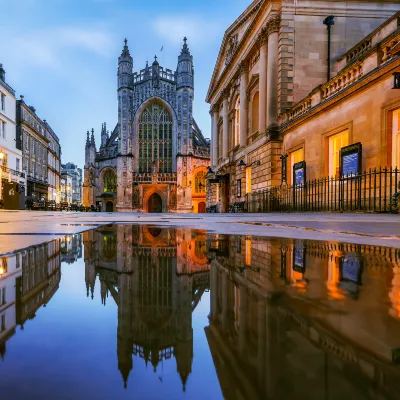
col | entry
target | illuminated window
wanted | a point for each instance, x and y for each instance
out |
(248, 252)
(248, 180)
(294, 157)
(254, 113)
(336, 142)
(110, 182)
(333, 276)
(396, 139)
(237, 121)
(200, 182)
(155, 139)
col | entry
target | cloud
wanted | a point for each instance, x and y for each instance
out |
(47, 48)
(174, 27)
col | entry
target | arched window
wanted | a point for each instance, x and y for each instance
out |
(237, 122)
(200, 182)
(254, 113)
(110, 181)
(155, 139)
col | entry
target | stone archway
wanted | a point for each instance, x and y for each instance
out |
(109, 206)
(154, 203)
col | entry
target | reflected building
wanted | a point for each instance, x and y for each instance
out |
(71, 248)
(156, 276)
(28, 280)
(289, 315)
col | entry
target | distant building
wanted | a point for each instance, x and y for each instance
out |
(76, 175)
(66, 187)
(53, 164)
(156, 157)
(12, 178)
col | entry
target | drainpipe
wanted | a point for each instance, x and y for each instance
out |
(329, 21)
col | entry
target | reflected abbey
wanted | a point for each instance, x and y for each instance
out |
(283, 317)
(156, 277)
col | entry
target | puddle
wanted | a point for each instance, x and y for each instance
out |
(129, 311)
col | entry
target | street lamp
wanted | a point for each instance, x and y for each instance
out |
(242, 163)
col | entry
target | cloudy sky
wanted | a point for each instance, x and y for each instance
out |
(62, 54)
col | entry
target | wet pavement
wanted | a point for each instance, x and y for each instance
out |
(144, 311)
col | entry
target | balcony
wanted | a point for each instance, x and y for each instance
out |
(12, 172)
(161, 177)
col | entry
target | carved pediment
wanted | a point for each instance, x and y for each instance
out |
(231, 48)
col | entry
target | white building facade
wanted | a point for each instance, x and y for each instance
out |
(12, 179)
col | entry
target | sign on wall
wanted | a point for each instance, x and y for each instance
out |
(299, 173)
(350, 160)
(299, 258)
(239, 188)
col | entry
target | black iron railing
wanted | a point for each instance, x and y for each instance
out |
(12, 171)
(375, 190)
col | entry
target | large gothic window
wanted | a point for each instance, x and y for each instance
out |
(110, 182)
(155, 139)
(200, 182)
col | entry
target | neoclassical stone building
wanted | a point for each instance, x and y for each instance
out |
(156, 157)
(301, 80)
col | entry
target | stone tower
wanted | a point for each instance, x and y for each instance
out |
(185, 92)
(125, 154)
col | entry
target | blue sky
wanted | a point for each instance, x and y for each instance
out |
(62, 54)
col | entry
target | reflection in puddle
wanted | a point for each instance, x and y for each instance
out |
(146, 311)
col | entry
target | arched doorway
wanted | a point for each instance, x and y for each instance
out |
(109, 206)
(154, 204)
(201, 207)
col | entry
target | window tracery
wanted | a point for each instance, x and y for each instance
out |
(155, 139)
(110, 181)
(200, 182)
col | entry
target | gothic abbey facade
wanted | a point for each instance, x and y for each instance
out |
(156, 158)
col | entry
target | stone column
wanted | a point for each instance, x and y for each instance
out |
(272, 76)
(243, 73)
(214, 135)
(225, 123)
(225, 293)
(262, 83)
(242, 319)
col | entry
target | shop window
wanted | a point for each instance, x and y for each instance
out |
(248, 180)
(396, 139)
(335, 144)
(294, 157)
(254, 113)
(237, 121)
